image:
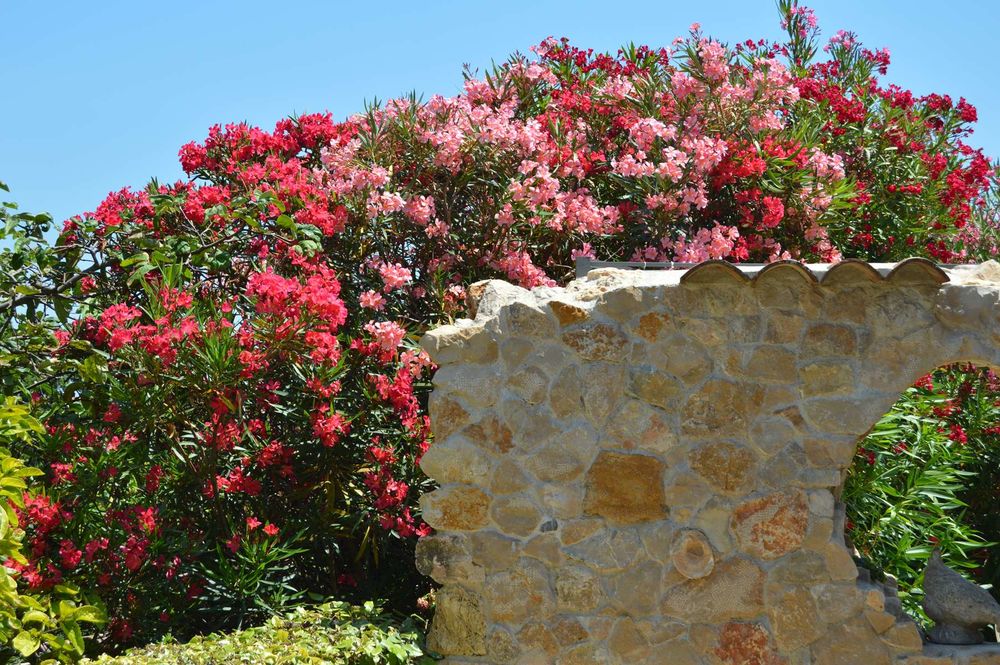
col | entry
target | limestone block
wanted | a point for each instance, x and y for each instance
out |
(654, 386)
(529, 383)
(651, 325)
(475, 385)
(567, 314)
(627, 643)
(535, 637)
(685, 489)
(608, 549)
(464, 342)
(568, 631)
(598, 341)
(772, 364)
(839, 562)
(456, 507)
(852, 416)
(573, 531)
(682, 357)
(459, 627)
(692, 554)
(546, 548)
(508, 478)
(515, 515)
(625, 488)
(526, 319)
(621, 304)
(602, 391)
(447, 416)
(455, 461)
(636, 590)
(578, 590)
(493, 550)
(490, 434)
(827, 377)
(770, 434)
(525, 592)
(742, 643)
(828, 339)
(726, 467)
(794, 618)
(566, 392)
(446, 558)
(783, 327)
(904, 637)
(851, 642)
(713, 520)
(636, 425)
(720, 409)
(771, 526)
(734, 590)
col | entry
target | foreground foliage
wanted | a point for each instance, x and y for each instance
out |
(226, 368)
(331, 634)
(45, 625)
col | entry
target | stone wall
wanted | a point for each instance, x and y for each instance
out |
(643, 467)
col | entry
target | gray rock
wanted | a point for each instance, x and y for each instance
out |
(959, 608)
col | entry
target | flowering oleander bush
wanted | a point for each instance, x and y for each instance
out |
(226, 366)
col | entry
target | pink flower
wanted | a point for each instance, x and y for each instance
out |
(394, 276)
(271, 530)
(372, 300)
(388, 334)
(420, 209)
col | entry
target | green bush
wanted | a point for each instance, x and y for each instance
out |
(42, 626)
(335, 633)
(925, 477)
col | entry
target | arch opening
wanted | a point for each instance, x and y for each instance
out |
(926, 476)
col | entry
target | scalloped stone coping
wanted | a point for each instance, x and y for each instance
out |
(645, 466)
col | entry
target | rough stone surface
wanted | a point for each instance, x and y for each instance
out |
(771, 526)
(642, 467)
(625, 489)
(692, 554)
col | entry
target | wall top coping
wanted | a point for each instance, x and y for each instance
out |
(910, 270)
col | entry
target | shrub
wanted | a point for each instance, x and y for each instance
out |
(926, 477)
(235, 406)
(42, 626)
(334, 633)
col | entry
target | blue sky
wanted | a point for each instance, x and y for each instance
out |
(99, 95)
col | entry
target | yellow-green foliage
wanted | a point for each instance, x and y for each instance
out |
(45, 627)
(335, 634)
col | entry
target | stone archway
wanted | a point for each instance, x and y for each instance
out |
(641, 467)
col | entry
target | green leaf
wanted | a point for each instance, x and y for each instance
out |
(90, 614)
(74, 634)
(26, 643)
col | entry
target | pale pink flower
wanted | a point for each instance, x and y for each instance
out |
(388, 334)
(394, 276)
(420, 209)
(372, 300)
(437, 229)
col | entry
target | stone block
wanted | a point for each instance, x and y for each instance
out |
(625, 488)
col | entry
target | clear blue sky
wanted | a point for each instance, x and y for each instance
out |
(99, 95)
